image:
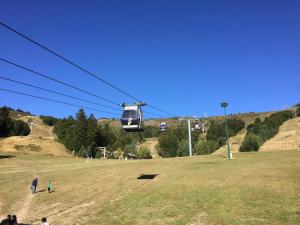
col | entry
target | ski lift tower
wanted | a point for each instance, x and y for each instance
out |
(189, 131)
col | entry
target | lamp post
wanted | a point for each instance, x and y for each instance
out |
(224, 105)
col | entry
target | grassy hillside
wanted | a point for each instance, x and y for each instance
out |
(287, 138)
(255, 188)
(40, 141)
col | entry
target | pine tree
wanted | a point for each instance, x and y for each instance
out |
(80, 130)
(92, 130)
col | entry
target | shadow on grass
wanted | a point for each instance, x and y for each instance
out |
(51, 191)
(147, 176)
(41, 191)
(6, 156)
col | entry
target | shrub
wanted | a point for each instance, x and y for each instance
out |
(183, 148)
(264, 130)
(251, 143)
(151, 131)
(298, 111)
(216, 131)
(203, 147)
(168, 144)
(82, 152)
(49, 120)
(144, 153)
(98, 155)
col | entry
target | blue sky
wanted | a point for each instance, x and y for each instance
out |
(182, 56)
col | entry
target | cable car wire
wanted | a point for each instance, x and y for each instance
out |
(58, 93)
(68, 61)
(58, 81)
(154, 107)
(57, 101)
(78, 66)
(68, 85)
(155, 114)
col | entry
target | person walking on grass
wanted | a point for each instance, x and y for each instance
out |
(34, 184)
(49, 187)
(44, 221)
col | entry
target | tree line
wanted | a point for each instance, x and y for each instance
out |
(216, 135)
(10, 127)
(82, 134)
(261, 131)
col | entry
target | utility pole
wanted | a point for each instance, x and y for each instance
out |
(190, 138)
(224, 105)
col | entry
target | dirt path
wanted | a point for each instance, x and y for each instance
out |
(150, 144)
(22, 212)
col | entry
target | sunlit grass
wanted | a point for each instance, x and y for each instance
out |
(255, 188)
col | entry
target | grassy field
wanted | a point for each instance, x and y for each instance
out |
(254, 188)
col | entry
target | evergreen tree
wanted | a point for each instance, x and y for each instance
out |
(80, 130)
(5, 122)
(92, 130)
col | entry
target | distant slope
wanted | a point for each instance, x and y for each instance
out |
(236, 141)
(288, 137)
(40, 141)
(150, 144)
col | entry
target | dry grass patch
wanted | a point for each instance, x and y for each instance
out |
(255, 188)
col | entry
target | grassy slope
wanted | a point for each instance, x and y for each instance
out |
(237, 140)
(42, 137)
(255, 188)
(287, 138)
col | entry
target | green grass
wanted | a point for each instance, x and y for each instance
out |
(255, 188)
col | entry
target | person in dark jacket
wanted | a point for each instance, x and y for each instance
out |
(14, 220)
(6, 221)
(34, 184)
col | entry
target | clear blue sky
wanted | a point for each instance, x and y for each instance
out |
(182, 56)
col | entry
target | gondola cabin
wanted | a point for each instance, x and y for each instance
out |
(132, 118)
(163, 127)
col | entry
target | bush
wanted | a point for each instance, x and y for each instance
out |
(82, 152)
(49, 120)
(298, 111)
(98, 155)
(216, 131)
(151, 131)
(263, 131)
(168, 144)
(251, 143)
(206, 147)
(144, 153)
(183, 148)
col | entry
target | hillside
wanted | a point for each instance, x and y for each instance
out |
(287, 138)
(40, 141)
(236, 141)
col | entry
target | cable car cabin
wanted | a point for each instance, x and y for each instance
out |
(132, 118)
(163, 127)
